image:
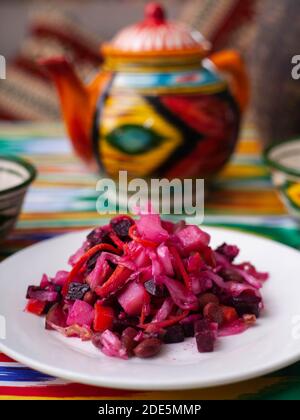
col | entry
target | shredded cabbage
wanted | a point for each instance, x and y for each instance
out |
(149, 279)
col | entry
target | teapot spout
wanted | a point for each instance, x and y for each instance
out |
(76, 104)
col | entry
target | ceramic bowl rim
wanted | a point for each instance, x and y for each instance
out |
(25, 164)
(276, 165)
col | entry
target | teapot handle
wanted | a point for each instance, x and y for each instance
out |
(229, 61)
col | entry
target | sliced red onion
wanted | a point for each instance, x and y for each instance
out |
(164, 311)
(157, 269)
(236, 327)
(112, 346)
(180, 294)
(165, 259)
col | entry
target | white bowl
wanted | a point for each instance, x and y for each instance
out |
(284, 161)
(16, 175)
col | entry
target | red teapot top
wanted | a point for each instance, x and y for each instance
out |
(156, 36)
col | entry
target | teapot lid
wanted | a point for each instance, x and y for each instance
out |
(156, 36)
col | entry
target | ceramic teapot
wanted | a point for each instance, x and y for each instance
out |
(160, 104)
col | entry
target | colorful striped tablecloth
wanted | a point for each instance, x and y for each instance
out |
(62, 199)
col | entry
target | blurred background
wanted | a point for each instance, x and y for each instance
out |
(266, 32)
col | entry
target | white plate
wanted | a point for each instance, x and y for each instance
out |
(273, 343)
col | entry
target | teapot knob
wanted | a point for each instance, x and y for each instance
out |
(155, 13)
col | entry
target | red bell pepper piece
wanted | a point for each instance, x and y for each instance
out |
(116, 240)
(155, 326)
(35, 306)
(115, 282)
(181, 268)
(104, 316)
(209, 257)
(77, 267)
(145, 311)
(132, 234)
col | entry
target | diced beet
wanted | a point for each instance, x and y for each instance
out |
(201, 325)
(133, 297)
(188, 324)
(205, 337)
(77, 290)
(56, 316)
(31, 290)
(121, 224)
(174, 334)
(44, 295)
(150, 228)
(246, 309)
(205, 341)
(192, 238)
(98, 236)
(155, 289)
(188, 329)
(81, 313)
(119, 325)
(246, 304)
(127, 339)
(229, 251)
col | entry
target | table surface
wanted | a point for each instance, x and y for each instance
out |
(62, 199)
